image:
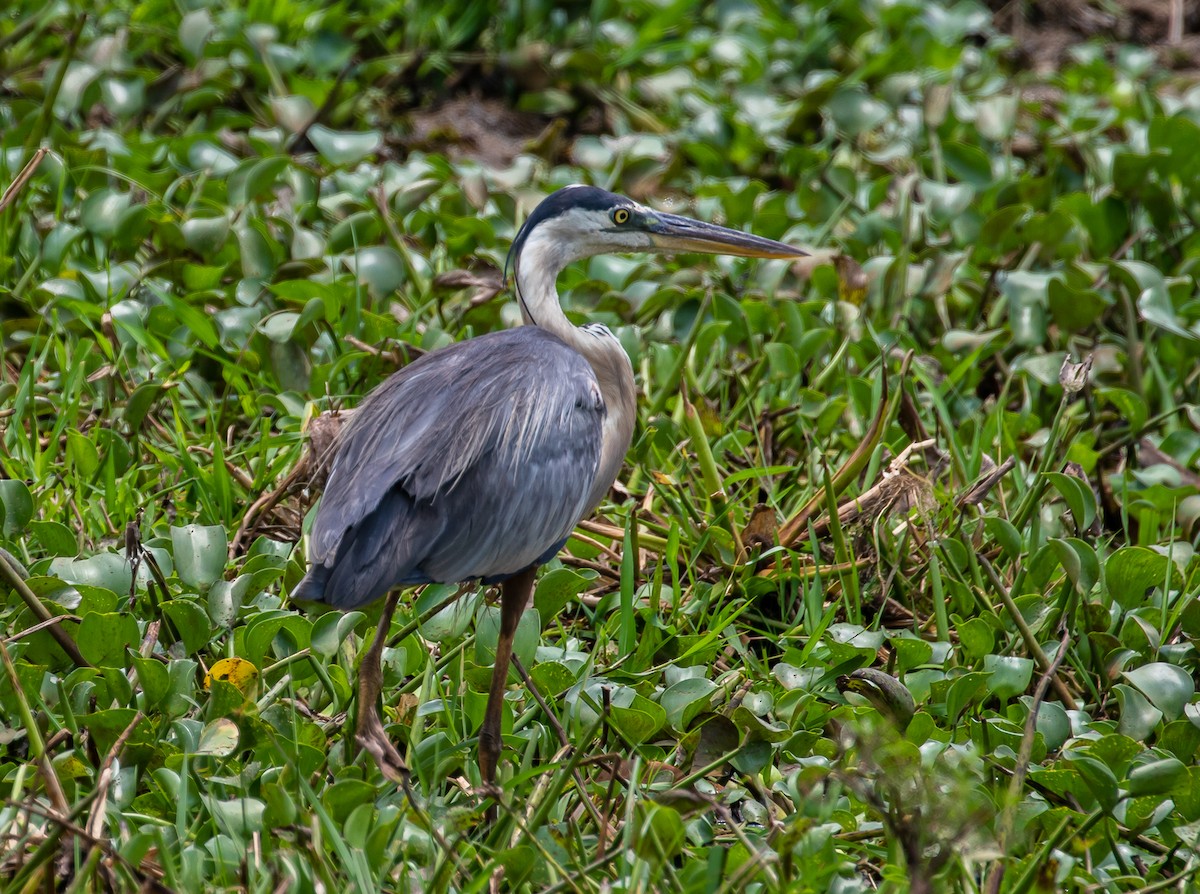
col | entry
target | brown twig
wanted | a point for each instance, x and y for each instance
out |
(22, 178)
(1023, 758)
(95, 826)
(563, 742)
(13, 578)
(980, 489)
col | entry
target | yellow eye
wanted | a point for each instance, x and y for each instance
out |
(620, 216)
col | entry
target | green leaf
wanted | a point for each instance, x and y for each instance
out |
(342, 147)
(1010, 675)
(1139, 718)
(153, 679)
(660, 834)
(219, 738)
(1078, 496)
(525, 638)
(190, 621)
(346, 794)
(967, 690)
(976, 638)
(754, 727)
(225, 598)
(1168, 686)
(331, 630)
(686, 700)
(634, 726)
(103, 637)
(1079, 561)
(1131, 571)
(557, 587)
(16, 506)
(1099, 779)
(552, 678)
(200, 554)
(55, 538)
(282, 633)
(1156, 777)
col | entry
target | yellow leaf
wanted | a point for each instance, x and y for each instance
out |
(852, 280)
(236, 671)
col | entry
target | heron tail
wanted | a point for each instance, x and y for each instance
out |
(312, 587)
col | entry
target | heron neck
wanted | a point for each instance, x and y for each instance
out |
(537, 269)
(538, 295)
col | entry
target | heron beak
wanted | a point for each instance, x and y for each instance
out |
(670, 232)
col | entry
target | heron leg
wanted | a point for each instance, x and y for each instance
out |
(370, 733)
(514, 596)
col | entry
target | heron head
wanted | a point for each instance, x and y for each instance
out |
(580, 221)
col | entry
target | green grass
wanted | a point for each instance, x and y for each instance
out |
(243, 221)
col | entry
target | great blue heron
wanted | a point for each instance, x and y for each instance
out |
(475, 462)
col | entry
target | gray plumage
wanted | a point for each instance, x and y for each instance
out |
(478, 460)
(472, 462)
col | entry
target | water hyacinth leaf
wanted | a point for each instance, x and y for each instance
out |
(154, 680)
(109, 571)
(557, 587)
(239, 817)
(190, 622)
(101, 212)
(660, 833)
(379, 267)
(343, 147)
(552, 678)
(256, 179)
(225, 598)
(16, 506)
(854, 112)
(637, 722)
(946, 201)
(1156, 777)
(278, 633)
(195, 28)
(1187, 795)
(686, 700)
(964, 692)
(211, 158)
(1078, 560)
(55, 538)
(1052, 722)
(219, 738)
(1075, 309)
(452, 621)
(200, 553)
(1010, 674)
(205, 235)
(331, 630)
(279, 326)
(1139, 717)
(294, 112)
(976, 637)
(1099, 779)
(1168, 686)
(237, 672)
(1026, 293)
(487, 635)
(753, 755)
(103, 637)
(1131, 571)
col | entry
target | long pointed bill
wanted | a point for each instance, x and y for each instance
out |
(670, 232)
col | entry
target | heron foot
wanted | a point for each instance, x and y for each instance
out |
(373, 739)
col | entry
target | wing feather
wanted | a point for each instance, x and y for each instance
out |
(471, 462)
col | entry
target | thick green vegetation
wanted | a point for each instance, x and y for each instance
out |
(897, 590)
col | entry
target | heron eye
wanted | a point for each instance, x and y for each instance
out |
(620, 216)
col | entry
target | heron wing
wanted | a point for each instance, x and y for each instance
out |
(471, 462)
